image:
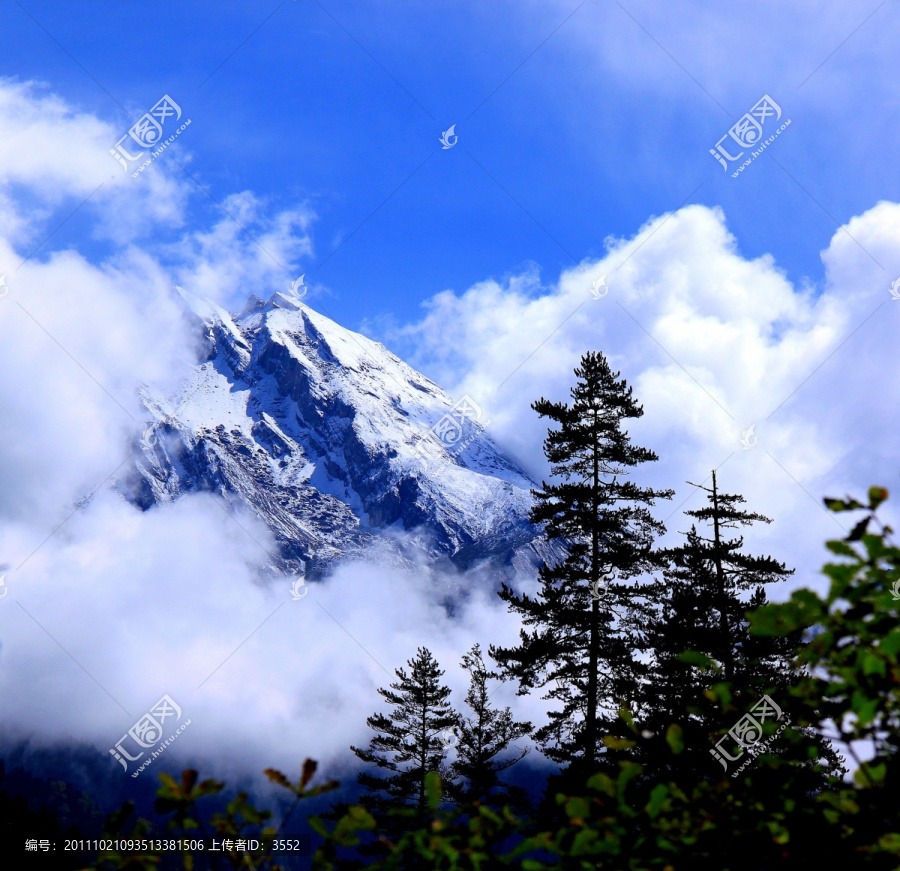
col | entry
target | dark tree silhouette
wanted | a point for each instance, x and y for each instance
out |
(408, 743)
(582, 631)
(702, 605)
(484, 736)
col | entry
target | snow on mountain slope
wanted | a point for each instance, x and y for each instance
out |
(334, 442)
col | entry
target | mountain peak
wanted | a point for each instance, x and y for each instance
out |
(334, 442)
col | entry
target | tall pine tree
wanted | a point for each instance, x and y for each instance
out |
(581, 634)
(408, 743)
(716, 570)
(706, 592)
(484, 738)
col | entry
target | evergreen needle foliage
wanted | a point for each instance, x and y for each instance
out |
(699, 635)
(407, 744)
(484, 739)
(582, 632)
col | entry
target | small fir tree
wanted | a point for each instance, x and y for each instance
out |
(409, 740)
(484, 738)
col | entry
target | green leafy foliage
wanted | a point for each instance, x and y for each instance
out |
(180, 801)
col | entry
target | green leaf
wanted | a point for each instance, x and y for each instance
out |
(584, 842)
(841, 548)
(873, 664)
(602, 783)
(877, 495)
(309, 769)
(767, 620)
(168, 781)
(317, 826)
(890, 644)
(675, 738)
(838, 505)
(865, 709)
(720, 693)
(433, 789)
(859, 530)
(625, 714)
(658, 798)
(692, 657)
(361, 817)
(870, 775)
(578, 808)
(277, 777)
(616, 743)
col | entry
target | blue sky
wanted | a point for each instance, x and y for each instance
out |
(584, 134)
(576, 122)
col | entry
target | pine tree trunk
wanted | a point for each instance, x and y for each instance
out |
(720, 576)
(590, 729)
(423, 751)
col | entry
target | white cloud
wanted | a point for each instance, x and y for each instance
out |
(77, 340)
(146, 603)
(729, 341)
(821, 53)
(173, 606)
(245, 252)
(54, 158)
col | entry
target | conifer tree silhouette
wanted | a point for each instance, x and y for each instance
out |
(702, 602)
(484, 736)
(582, 634)
(410, 739)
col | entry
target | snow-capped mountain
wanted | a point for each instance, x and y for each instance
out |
(335, 443)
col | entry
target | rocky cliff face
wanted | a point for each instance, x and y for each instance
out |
(335, 443)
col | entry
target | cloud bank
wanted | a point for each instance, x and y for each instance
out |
(712, 343)
(118, 606)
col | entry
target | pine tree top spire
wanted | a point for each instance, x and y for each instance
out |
(723, 512)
